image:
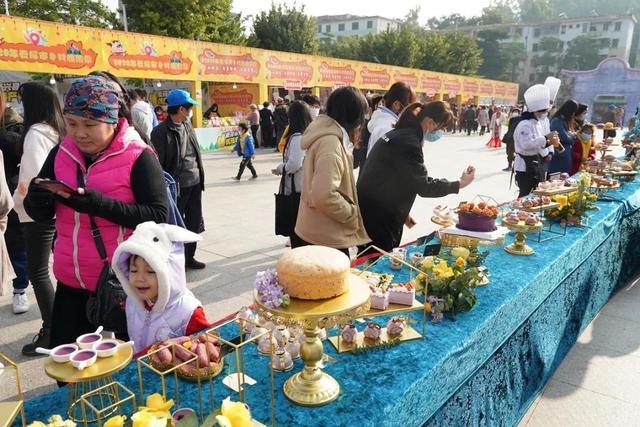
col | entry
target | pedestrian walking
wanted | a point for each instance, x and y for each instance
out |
(495, 128)
(245, 149)
(254, 123)
(266, 125)
(483, 119)
(280, 120)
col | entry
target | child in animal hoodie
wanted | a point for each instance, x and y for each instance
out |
(150, 267)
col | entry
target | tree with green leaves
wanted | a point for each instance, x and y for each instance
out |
(535, 11)
(583, 52)
(493, 64)
(392, 47)
(453, 53)
(499, 12)
(513, 53)
(285, 28)
(205, 20)
(91, 13)
(454, 20)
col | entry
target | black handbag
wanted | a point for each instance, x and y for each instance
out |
(286, 208)
(105, 306)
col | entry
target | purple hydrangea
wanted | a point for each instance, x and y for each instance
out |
(270, 293)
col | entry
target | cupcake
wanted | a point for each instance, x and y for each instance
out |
(349, 333)
(372, 331)
(395, 326)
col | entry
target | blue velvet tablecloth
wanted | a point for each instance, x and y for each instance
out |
(483, 369)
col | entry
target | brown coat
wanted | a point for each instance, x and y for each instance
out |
(329, 214)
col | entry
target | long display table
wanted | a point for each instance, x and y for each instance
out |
(486, 367)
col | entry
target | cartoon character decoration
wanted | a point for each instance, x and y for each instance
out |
(35, 37)
(117, 48)
(148, 49)
(73, 49)
(174, 58)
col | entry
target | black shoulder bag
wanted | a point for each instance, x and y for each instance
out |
(286, 207)
(105, 306)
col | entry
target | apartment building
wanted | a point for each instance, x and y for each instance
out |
(331, 27)
(616, 32)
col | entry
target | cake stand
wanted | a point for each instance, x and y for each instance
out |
(519, 246)
(97, 376)
(311, 386)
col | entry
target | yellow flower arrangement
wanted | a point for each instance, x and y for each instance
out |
(234, 414)
(562, 200)
(460, 262)
(116, 421)
(54, 421)
(442, 270)
(147, 419)
(157, 406)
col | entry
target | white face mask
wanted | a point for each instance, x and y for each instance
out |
(315, 112)
(190, 114)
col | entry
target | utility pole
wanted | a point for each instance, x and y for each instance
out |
(123, 14)
(6, 7)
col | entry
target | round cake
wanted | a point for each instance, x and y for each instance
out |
(314, 272)
(480, 217)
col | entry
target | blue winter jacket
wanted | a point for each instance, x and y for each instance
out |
(244, 146)
(561, 162)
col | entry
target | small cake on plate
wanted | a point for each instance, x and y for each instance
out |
(480, 217)
(379, 299)
(395, 326)
(349, 333)
(372, 331)
(402, 293)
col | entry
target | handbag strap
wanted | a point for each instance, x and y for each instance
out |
(95, 231)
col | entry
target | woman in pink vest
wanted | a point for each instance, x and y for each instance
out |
(123, 187)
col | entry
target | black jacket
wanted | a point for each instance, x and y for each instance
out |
(169, 147)
(280, 118)
(389, 182)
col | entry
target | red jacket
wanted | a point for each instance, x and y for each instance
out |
(577, 155)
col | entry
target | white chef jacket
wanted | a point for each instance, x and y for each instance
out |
(529, 140)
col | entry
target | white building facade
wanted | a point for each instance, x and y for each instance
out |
(331, 27)
(616, 32)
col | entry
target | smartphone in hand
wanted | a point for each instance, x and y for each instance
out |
(56, 186)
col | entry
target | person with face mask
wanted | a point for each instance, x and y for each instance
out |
(179, 154)
(395, 173)
(383, 119)
(532, 145)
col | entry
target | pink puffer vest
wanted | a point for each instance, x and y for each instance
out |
(76, 262)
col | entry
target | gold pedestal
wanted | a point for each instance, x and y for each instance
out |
(519, 246)
(311, 386)
(96, 376)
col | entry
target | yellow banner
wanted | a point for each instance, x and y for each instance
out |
(48, 47)
(231, 100)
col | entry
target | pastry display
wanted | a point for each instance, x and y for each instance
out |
(206, 347)
(281, 334)
(314, 272)
(266, 344)
(372, 331)
(293, 347)
(477, 217)
(395, 326)
(537, 203)
(282, 360)
(602, 182)
(396, 255)
(515, 217)
(245, 314)
(348, 333)
(444, 215)
(402, 293)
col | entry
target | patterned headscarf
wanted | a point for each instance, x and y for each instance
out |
(94, 98)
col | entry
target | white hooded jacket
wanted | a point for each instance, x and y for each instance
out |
(162, 247)
(382, 121)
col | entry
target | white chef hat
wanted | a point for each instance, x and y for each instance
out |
(537, 98)
(553, 84)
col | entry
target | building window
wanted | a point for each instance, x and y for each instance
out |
(618, 26)
(340, 27)
(369, 24)
(536, 32)
(570, 26)
(605, 26)
(355, 25)
(328, 28)
(614, 43)
(563, 29)
(585, 27)
(388, 26)
(319, 28)
(592, 27)
(535, 47)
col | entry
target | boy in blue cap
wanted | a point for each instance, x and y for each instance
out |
(179, 153)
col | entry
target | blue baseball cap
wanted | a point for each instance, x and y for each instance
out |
(180, 97)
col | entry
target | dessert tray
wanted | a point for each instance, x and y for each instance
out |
(205, 346)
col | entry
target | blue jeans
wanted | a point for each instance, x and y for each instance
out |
(19, 263)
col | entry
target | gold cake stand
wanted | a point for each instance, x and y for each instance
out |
(96, 376)
(519, 246)
(311, 386)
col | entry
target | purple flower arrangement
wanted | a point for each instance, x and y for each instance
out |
(270, 293)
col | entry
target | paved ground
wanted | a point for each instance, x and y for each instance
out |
(593, 387)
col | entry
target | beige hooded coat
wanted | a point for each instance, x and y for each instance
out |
(6, 204)
(329, 214)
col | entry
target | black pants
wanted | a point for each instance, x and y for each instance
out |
(483, 128)
(267, 135)
(38, 241)
(190, 207)
(297, 242)
(246, 163)
(69, 319)
(526, 183)
(254, 133)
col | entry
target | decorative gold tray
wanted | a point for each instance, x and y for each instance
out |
(395, 308)
(555, 192)
(65, 372)
(408, 334)
(201, 373)
(522, 226)
(598, 187)
(541, 208)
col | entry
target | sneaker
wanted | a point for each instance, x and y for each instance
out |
(235, 178)
(507, 169)
(20, 303)
(253, 177)
(42, 339)
(193, 264)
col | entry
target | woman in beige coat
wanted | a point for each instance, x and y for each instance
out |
(329, 214)
(6, 204)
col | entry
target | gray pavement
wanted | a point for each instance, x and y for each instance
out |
(240, 241)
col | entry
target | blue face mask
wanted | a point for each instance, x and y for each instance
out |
(433, 136)
(585, 136)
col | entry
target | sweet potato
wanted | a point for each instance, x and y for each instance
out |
(155, 359)
(213, 340)
(178, 340)
(213, 352)
(164, 355)
(182, 354)
(203, 358)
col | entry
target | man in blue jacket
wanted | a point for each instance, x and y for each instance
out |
(245, 149)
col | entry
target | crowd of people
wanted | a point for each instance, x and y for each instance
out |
(89, 171)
